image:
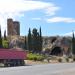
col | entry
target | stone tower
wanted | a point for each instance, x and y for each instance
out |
(10, 26)
(16, 29)
(13, 27)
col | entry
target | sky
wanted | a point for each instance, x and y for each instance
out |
(55, 17)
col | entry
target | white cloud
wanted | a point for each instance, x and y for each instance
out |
(61, 19)
(50, 11)
(69, 34)
(36, 18)
(17, 8)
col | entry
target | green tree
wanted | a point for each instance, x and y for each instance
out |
(25, 43)
(5, 41)
(5, 35)
(34, 40)
(40, 39)
(73, 44)
(29, 45)
(0, 39)
(38, 42)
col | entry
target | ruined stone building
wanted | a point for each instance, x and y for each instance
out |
(13, 27)
(57, 45)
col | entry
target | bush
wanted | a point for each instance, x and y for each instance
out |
(5, 43)
(59, 60)
(74, 59)
(35, 57)
(67, 59)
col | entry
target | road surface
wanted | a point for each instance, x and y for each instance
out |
(44, 69)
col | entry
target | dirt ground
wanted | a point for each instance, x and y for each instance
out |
(31, 62)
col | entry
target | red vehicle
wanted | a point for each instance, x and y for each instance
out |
(12, 57)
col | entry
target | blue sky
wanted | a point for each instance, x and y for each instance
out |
(55, 17)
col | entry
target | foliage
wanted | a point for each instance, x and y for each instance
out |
(35, 57)
(67, 59)
(40, 40)
(29, 40)
(25, 47)
(5, 35)
(60, 60)
(73, 45)
(34, 42)
(74, 59)
(0, 39)
(5, 43)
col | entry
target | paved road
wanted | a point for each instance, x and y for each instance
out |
(45, 69)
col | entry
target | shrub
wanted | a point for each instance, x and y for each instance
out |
(59, 60)
(35, 57)
(5, 43)
(74, 59)
(67, 59)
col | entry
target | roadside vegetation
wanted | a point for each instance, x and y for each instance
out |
(49, 59)
(35, 57)
(5, 43)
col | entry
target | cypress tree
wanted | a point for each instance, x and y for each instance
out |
(5, 43)
(5, 35)
(35, 40)
(39, 43)
(0, 38)
(34, 43)
(25, 47)
(73, 44)
(40, 39)
(29, 45)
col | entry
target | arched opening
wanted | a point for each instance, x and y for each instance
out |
(56, 51)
